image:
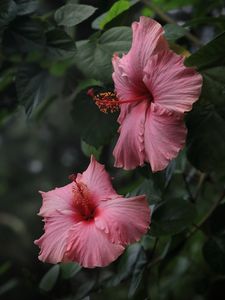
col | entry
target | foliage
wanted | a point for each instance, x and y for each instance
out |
(51, 53)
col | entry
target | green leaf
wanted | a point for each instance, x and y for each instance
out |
(137, 273)
(126, 264)
(212, 54)
(213, 90)
(84, 289)
(216, 222)
(72, 14)
(94, 57)
(24, 36)
(116, 9)
(172, 217)
(94, 127)
(9, 285)
(206, 124)
(69, 270)
(89, 150)
(33, 85)
(150, 189)
(26, 7)
(214, 254)
(174, 32)
(49, 280)
(8, 11)
(59, 45)
(206, 139)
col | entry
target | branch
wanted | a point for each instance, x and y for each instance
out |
(169, 20)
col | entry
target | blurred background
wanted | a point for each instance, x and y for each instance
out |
(46, 134)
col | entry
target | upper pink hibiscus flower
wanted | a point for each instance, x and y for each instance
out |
(154, 89)
(87, 222)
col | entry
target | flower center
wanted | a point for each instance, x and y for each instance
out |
(83, 201)
(108, 101)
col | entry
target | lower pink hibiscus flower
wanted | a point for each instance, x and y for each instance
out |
(87, 222)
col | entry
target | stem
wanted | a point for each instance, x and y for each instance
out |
(206, 216)
(169, 20)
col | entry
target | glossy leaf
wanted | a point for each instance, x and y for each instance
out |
(212, 54)
(94, 56)
(72, 14)
(117, 8)
(206, 139)
(137, 273)
(127, 264)
(172, 217)
(174, 32)
(49, 280)
(8, 11)
(26, 7)
(33, 86)
(69, 270)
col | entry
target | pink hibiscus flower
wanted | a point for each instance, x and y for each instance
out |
(154, 89)
(87, 222)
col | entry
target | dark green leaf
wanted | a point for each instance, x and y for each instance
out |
(26, 7)
(216, 222)
(49, 280)
(89, 150)
(127, 264)
(209, 55)
(174, 32)
(69, 270)
(214, 254)
(72, 14)
(84, 289)
(8, 11)
(59, 45)
(206, 139)
(94, 57)
(172, 217)
(9, 285)
(148, 188)
(24, 36)
(137, 273)
(116, 9)
(94, 127)
(213, 90)
(33, 86)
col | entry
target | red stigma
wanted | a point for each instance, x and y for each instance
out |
(108, 101)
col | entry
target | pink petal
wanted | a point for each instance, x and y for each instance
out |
(172, 85)
(128, 71)
(98, 181)
(90, 247)
(147, 40)
(125, 220)
(57, 199)
(129, 150)
(165, 135)
(125, 88)
(53, 242)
